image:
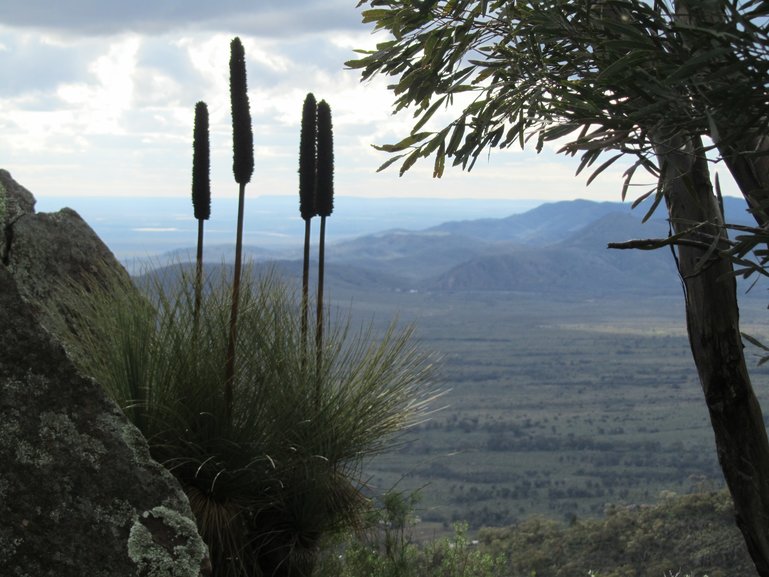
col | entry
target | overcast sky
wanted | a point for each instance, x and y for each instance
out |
(97, 97)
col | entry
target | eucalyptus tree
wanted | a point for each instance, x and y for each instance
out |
(308, 143)
(242, 168)
(670, 85)
(201, 189)
(324, 206)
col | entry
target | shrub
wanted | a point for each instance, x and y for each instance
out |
(387, 549)
(267, 482)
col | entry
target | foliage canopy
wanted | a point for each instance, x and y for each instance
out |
(599, 76)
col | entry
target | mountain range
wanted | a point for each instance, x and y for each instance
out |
(558, 247)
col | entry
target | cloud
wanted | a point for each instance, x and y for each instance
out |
(274, 18)
(98, 99)
(36, 63)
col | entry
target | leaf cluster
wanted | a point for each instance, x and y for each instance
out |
(598, 76)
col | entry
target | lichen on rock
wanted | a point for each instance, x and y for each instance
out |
(164, 543)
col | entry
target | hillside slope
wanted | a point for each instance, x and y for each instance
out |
(580, 263)
(694, 534)
(557, 248)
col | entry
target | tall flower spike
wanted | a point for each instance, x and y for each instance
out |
(324, 198)
(201, 192)
(308, 179)
(201, 164)
(242, 136)
(242, 168)
(324, 205)
(308, 157)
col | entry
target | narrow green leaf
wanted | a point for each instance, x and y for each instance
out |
(657, 199)
(588, 158)
(456, 136)
(560, 130)
(440, 161)
(627, 62)
(695, 64)
(374, 15)
(403, 144)
(755, 342)
(438, 139)
(603, 167)
(389, 162)
(409, 162)
(428, 114)
(641, 198)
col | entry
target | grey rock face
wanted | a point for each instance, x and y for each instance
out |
(79, 494)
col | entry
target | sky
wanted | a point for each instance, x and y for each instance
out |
(97, 98)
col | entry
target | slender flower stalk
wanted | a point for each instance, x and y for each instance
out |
(324, 205)
(307, 187)
(242, 168)
(201, 191)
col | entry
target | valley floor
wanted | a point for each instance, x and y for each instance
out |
(553, 408)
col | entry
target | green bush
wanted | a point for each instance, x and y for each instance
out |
(387, 549)
(269, 481)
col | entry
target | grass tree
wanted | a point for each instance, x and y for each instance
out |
(201, 189)
(324, 204)
(267, 485)
(242, 168)
(307, 187)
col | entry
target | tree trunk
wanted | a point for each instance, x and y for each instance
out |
(747, 158)
(712, 317)
(738, 136)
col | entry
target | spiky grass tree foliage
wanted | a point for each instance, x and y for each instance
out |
(324, 206)
(242, 168)
(285, 470)
(201, 188)
(307, 186)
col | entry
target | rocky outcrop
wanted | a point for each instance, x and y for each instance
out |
(79, 493)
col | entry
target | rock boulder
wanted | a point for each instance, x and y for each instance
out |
(79, 492)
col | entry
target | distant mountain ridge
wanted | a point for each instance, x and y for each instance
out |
(542, 225)
(555, 248)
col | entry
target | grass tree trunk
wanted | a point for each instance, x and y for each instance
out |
(319, 311)
(242, 168)
(198, 275)
(712, 317)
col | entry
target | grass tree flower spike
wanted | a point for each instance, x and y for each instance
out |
(307, 186)
(324, 205)
(201, 189)
(242, 168)
(242, 135)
